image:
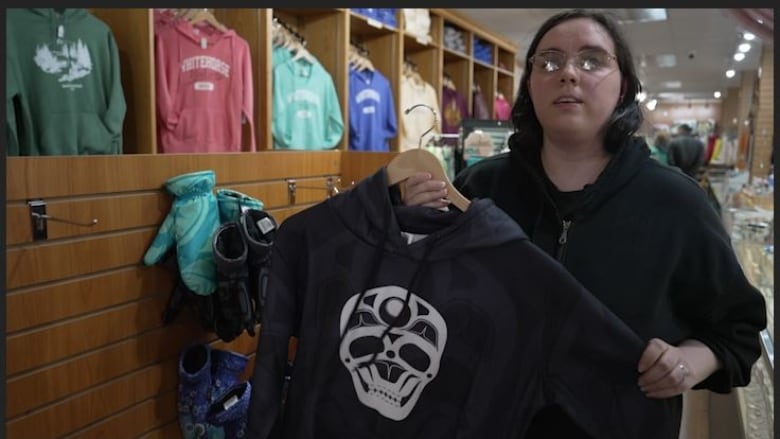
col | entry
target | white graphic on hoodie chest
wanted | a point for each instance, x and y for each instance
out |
(69, 60)
(405, 360)
(205, 62)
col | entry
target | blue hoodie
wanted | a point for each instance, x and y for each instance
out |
(372, 118)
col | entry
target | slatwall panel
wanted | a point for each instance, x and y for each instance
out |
(765, 115)
(87, 355)
(746, 103)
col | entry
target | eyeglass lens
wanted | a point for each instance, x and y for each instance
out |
(587, 60)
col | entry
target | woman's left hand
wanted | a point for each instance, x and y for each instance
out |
(666, 371)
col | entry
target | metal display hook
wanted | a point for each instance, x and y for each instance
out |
(331, 187)
(40, 218)
(43, 216)
(433, 125)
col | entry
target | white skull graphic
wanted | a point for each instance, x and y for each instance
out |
(407, 358)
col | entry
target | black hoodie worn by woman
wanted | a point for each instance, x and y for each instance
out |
(645, 241)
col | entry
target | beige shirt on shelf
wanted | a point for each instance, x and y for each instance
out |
(419, 120)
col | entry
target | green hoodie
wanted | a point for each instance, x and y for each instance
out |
(64, 94)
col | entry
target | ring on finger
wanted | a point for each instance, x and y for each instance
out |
(684, 370)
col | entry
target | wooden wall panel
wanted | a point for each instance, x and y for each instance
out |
(136, 210)
(136, 421)
(165, 432)
(55, 301)
(56, 342)
(357, 165)
(83, 409)
(764, 131)
(46, 385)
(48, 262)
(132, 29)
(47, 177)
(112, 212)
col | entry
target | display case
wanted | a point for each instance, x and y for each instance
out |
(748, 214)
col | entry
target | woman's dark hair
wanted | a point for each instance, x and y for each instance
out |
(627, 117)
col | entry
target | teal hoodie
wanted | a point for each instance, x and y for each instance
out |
(63, 89)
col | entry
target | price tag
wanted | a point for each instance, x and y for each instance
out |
(230, 402)
(265, 225)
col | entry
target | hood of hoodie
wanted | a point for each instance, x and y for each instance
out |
(622, 167)
(63, 14)
(58, 20)
(200, 32)
(368, 211)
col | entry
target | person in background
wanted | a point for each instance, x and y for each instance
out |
(686, 151)
(640, 236)
(659, 150)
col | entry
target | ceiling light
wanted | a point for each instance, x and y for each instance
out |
(744, 47)
(716, 94)
(730, 73)
(666, 60)
(672, 84)
(651, 104)
(640, 15)
(671, 96)
(748, 36)
(641, 96)
(739, 56)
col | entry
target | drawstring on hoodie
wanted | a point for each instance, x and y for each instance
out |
(375, 266)
(376, 263)
(412, 286)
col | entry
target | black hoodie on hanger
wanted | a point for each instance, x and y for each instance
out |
(465, 333)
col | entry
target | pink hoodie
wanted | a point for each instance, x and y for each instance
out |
(204, 89)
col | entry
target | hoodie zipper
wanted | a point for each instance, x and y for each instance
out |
(563, 238)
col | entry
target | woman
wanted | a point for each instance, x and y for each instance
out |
(638, 235)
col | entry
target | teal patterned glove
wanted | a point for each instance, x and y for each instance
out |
(190, 225)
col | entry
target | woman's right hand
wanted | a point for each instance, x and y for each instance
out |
(421, 190)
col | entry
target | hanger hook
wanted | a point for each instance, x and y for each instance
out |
(409, 110)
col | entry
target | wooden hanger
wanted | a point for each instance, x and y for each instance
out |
(414, 161)
(203, 15)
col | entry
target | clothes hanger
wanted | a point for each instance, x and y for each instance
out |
(447, 82)
(366, 62)
(413, 161)
(410, 71)
(358, 56)
(202, 15)
(184, 12)
(355, 60)
(302, 53)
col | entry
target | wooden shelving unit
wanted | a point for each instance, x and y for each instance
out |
(328, 32)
